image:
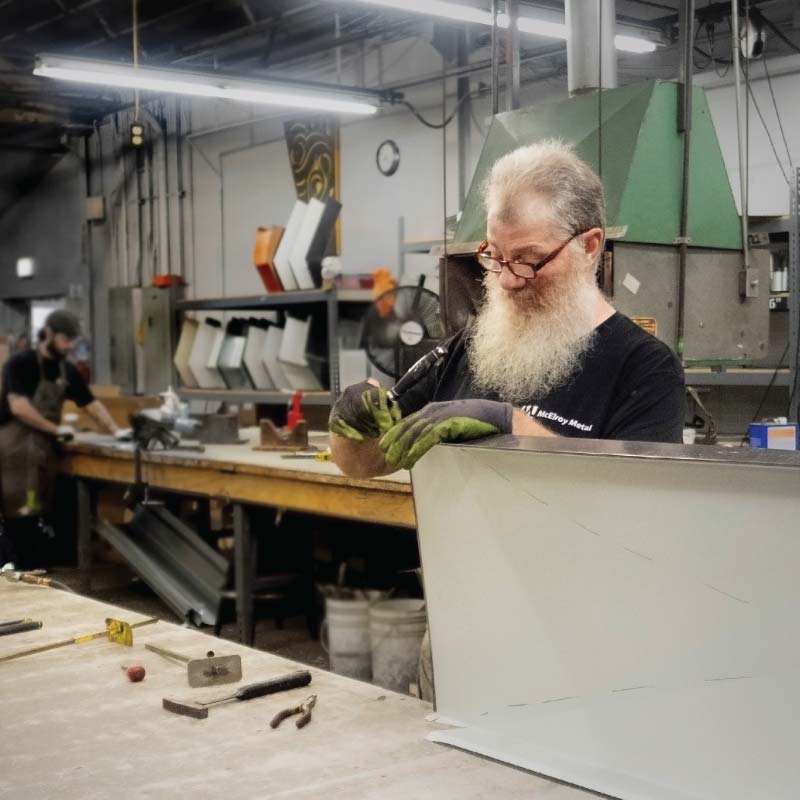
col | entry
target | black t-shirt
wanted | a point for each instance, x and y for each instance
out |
(21, 376)
(629, 386)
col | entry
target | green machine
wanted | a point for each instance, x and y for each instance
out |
(629, 136)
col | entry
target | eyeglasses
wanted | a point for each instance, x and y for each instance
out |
(522, 269)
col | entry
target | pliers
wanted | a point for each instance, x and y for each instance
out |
(304, 709)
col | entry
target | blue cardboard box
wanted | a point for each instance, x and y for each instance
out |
(774, 435)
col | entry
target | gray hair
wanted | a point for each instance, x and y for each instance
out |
(549, 170)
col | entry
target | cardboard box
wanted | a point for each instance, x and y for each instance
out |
(774, 435)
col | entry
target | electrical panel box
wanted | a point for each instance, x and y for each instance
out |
(720, 326)
(142, 338)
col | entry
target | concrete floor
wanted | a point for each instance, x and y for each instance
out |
(115, 584)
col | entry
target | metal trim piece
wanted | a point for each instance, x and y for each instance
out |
(727, 456)
(187, 574)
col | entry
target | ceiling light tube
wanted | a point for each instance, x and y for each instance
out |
(537, 27)
(196, 84)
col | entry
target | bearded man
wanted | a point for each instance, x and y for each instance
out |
(547, 355)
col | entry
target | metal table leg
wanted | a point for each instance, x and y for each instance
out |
(84, 523)
(243, 564)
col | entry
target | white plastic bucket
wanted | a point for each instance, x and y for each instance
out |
(345, 637)
(396, 629)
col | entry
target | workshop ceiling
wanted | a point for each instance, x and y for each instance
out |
(255, 37)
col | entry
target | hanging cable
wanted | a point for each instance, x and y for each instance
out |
(769, 136)
(445, 120)
(443, 128)
(747, 94)
(728, 63)
(708, 56)
(135, 21)
(777, 113)
(600, 92)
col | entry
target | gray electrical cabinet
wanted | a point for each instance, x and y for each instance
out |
(142, 338)
(720, 327)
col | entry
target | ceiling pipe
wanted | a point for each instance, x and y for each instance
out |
(591, 56)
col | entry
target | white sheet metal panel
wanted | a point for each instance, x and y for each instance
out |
(302, 242)
(205, 348)
(621, 621)
(282, 255)
(184, 351)
(256, 341)
(269, 357)
(292, 355)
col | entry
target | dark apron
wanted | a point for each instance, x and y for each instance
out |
(29, 458)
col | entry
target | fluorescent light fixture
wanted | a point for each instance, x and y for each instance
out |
(558, 30)
(197, 84)
(26, 267)
(536, 27)
(437, 8)
(633, 44)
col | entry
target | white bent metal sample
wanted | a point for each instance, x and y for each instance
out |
(183, 352)
(256, 341)
(305, 234)
(231, 363)
(284, 251)
(626, 624)
(207, 339)
(292, 355)
(269, 357)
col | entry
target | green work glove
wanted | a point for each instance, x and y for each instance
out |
(363, 411)
(453, 421)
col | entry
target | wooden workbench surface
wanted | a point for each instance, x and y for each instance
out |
(241, 458)
(74, 727)
(240, 474)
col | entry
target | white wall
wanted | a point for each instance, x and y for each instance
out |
(768, 194)
(257, 191)
(372, 203)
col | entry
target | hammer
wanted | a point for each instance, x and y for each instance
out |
(199, 709)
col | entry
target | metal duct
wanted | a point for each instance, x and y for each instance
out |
(591, 56)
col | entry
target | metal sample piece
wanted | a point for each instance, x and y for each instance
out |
(212, 670)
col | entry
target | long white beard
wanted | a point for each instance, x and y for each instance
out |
(524, 354)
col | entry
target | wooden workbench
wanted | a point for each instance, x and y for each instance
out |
(244, 477)
(74, 727)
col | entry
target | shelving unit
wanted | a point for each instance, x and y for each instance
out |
(310, 300)
(253, 396)
(265, 302)
(738, 376)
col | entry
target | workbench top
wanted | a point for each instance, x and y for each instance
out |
(238, 457)
(73, 726)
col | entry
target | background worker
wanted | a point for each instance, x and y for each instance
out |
(34, 386)
(548, 355)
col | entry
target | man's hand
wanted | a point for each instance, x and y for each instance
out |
(65, 433)
(363, 411)
(453, 421)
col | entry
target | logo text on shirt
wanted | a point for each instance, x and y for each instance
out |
(551, 416)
